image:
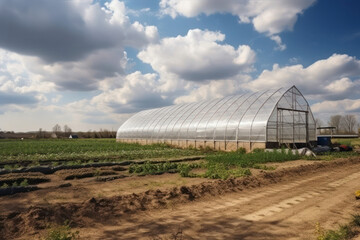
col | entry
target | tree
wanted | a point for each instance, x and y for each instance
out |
(67, 130)
(349, 123)
(56, 129)
(41, 133)
(318, 122)
(335, 121)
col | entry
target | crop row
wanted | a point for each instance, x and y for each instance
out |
(221, 165)
(84, 149)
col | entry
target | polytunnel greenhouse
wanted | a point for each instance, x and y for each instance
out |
(265, 119)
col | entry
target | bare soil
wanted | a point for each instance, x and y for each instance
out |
(285, 203)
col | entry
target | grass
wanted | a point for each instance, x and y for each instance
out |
(343, 232)
(347, 141)
(334, 155)
(85, 149)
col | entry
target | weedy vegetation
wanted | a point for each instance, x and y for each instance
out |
(347, 141)
(334, 155)
(344, 232)
(61, 232)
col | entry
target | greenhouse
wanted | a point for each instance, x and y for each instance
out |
(265, 119)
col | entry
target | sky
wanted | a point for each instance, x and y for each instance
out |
(93, 64)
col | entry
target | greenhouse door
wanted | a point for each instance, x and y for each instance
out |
(292, 126)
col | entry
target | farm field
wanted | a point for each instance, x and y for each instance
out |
(83, 150)
(105, 189)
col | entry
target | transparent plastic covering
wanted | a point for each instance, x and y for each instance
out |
(282, 115)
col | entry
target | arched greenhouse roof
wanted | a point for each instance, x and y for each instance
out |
(247, 117)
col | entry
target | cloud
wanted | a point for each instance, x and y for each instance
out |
(7, 98)
(268, 17)
(17, 85)
(280, 45)
(334, 78)
(68, 30)
(198, 56)
(197, 66)
(213, 89)
(73, 45)
(138, 92)
(340, 106)
(85, 75)
(15, 77)
(46, 117)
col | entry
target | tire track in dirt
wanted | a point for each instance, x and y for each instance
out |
(218, 205)
(290, 202)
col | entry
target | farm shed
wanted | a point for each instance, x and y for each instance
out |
(265, 119)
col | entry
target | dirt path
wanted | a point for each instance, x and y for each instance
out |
(284, 210)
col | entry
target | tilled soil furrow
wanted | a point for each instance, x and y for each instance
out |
(245, 208)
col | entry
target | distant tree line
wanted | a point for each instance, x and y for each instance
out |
(66, 131)
(344, 124)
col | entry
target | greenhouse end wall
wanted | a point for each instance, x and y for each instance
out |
(270, 118)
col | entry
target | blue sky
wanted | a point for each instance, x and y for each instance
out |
(92, 64)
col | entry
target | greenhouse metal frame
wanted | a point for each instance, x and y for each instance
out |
(271, 118)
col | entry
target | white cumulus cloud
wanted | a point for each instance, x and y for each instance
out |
(334, 78)
(269, 17)
(198, 56)
(71, 44)
(138, 92)
(339, 106)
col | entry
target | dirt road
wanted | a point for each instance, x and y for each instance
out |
(285, 210)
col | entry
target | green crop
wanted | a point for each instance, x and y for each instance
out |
(252, 159)
(85, 149)
(218, 165)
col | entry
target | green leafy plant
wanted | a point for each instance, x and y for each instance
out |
(24, 183)
(7, 167)
(151, 168)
